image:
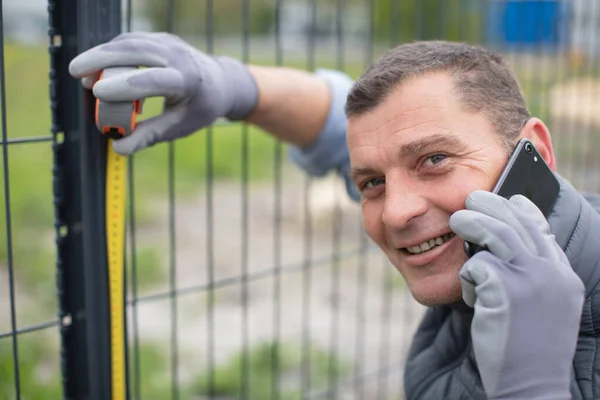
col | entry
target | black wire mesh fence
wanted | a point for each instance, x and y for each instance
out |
(245, 278)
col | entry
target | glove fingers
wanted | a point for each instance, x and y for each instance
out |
(141, 84)
(89, 81)
(501, 209)
(533, 217)
(526, 206)
(487, 231)
(151, 131)
(133, 35)
(152, 36)
(122, 53)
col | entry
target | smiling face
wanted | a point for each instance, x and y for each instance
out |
(415, 158)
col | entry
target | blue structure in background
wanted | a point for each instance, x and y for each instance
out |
(526, 24)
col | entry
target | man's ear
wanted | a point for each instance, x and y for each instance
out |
(537, 132)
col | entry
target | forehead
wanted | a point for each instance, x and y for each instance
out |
(418, 106)
(420, 116)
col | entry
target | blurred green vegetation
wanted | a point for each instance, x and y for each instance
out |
(155, 373)
(151, 268)
(429, 19)
(39, 370)
(227, 16)
(404, 20)
(228, 377)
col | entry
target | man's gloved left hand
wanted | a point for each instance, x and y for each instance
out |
(526, 297)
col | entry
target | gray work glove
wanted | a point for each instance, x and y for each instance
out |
(198, 88)
(526, 297)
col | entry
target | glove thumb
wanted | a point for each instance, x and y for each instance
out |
(149, 132)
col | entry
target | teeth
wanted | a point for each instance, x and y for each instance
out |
(430, 244)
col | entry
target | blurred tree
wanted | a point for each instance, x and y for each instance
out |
(227, 16)
(409, 20)
(395, 20)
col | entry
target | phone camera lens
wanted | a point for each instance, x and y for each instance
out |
(529, 148)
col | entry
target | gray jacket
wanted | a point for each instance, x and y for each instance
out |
(441, 362)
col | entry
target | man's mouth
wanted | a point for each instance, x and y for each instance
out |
(430, 244)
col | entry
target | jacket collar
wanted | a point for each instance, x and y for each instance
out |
(565, 214)
(576, 227)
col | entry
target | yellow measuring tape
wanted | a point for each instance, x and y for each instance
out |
(115, 242)
(116, 120)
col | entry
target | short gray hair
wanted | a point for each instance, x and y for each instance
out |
(484, 82)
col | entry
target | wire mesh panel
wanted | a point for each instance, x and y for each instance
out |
(29, 351)
(278, 291)
(245, 277)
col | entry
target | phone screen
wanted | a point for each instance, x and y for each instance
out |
(526, 173)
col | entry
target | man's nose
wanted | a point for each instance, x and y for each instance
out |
(402, 204)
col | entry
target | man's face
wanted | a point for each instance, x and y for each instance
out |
(416, 158)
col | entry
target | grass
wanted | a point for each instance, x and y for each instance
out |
(154, 374)
(228, 379)
(39, 371)
(155, 377)
(150, 267)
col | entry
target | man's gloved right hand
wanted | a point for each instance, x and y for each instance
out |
(526, 296)
(198, 88)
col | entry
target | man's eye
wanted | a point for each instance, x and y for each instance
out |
(436, 158)
(372, 183)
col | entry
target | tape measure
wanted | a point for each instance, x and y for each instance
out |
(116, 120)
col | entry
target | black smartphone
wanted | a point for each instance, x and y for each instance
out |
(526, 173)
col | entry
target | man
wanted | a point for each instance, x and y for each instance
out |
(420, 139)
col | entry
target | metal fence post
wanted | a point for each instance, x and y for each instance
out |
(79, 170)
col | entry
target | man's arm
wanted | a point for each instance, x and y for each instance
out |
(314, 123)
(306, 110)
(303, 109)
(293, 105)
(199, 88)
